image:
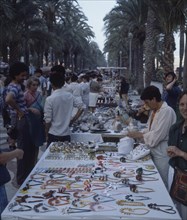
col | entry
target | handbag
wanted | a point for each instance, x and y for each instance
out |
(178, 190)
(4, 175)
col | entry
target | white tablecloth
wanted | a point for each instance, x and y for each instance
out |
(86, 137)
(46, 171)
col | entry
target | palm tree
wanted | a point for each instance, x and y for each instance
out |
(6, 14)
(185, 66)
(56, 26)
(170, 14)
(128, 16)
(150, 46)
(181, 50)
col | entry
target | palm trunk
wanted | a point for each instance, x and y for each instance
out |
(181, 50)
(168, 58)
(149, 47)
(14, 52)
(185, 67)
(140, 83)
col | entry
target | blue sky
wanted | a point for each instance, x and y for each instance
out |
(95, 11)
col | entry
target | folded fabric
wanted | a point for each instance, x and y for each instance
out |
(139, 152)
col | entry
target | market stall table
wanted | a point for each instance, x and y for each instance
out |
(70, 182)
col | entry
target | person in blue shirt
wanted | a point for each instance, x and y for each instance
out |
(171, 90)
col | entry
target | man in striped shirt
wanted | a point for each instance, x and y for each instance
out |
(19, 119)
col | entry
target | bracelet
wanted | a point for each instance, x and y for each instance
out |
(166, 208)
(58, 201)
(23, 199)
(140, 171)
(136, 198)
(129, 203)
(17, 207)
(145, 178)
(53, 183)
(150, 167)
(49, 194)
(39, 176)
(25, 188)
(42, 208)
(83, 194)
(118, 174)
(101, 199)
(97, 207)
(134, 188)
(80, 203)
(125, 160)
(126, 182)
(129, 211)
(76, 210)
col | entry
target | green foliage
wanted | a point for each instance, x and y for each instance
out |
(57, 29)
(159, 76)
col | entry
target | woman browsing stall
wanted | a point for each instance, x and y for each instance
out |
(33, 100)
(177, 149)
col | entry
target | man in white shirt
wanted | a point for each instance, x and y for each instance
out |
(58, 109)
(156, 136)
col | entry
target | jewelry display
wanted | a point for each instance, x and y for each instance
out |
(71, 183)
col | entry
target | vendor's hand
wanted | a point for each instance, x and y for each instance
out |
(174, 151)
(19, 153)
(135, 134)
